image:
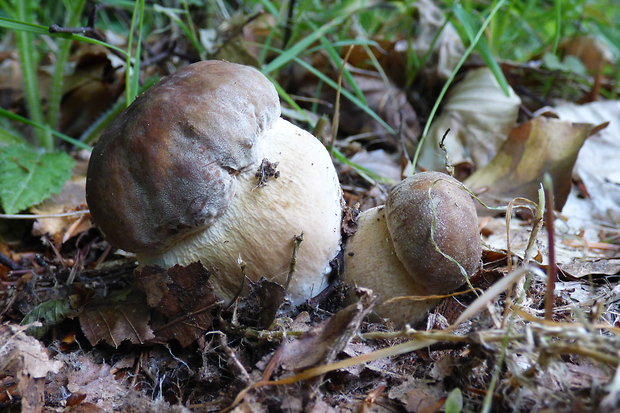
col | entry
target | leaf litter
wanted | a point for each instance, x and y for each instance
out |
(117, 339)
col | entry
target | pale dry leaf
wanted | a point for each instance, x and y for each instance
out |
(381, 162)
(20, 352)
(448, 47)
(26, 360)
(597, 166)
(479, 116)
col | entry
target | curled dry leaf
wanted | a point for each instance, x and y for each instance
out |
(324, 342)
(479, 116)
(182, 296)
(534, 148)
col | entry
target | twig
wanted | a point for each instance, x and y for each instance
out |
(233, 360)
(35, 216)
(298, 240)
(552, 270)
(9, 263)
(442, 146)
(188, 315)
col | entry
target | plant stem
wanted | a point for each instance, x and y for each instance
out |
(28, 63)
(74, 11)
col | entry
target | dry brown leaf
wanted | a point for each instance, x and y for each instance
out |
(593, 53)
(117, 320)
(183, 296)
(534, 148)
(324, 342)
(390, 103)
(90, 90)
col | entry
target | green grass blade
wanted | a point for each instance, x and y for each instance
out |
(293, 52)
(41, 126)
(558, 25)
(371, 176)
(28, 64)
(468, 52)
(173, 15)
(74, 12)
(337, 60)
(132, 74)
(95, 129)
(468, 23)
(346, 94)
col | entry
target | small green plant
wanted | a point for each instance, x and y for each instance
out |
(31, 169)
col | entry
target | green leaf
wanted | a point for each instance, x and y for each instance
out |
(454, 402)
(29, 176)
(48, 313)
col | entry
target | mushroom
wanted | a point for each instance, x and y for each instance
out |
(202, 168)
(393, 252)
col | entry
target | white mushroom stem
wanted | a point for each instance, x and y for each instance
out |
(260, 224)
(371, 260)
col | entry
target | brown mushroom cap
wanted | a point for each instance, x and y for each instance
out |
(427, 200)
(167, 165)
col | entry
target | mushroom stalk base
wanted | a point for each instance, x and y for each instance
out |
(370, 261)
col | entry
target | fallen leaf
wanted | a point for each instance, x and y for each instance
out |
(116, 319)
(325, 341)
(24, 358)
(20, 352)
(433, 31)
(479, 116)
(534, 148)
(593, 53)
(183, 296)
(596, 166)
(71, 198)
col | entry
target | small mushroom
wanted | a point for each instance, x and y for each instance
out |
(202, 168)
(393, 252)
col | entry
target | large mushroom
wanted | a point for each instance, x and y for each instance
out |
(202, 168)
(411, 246)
